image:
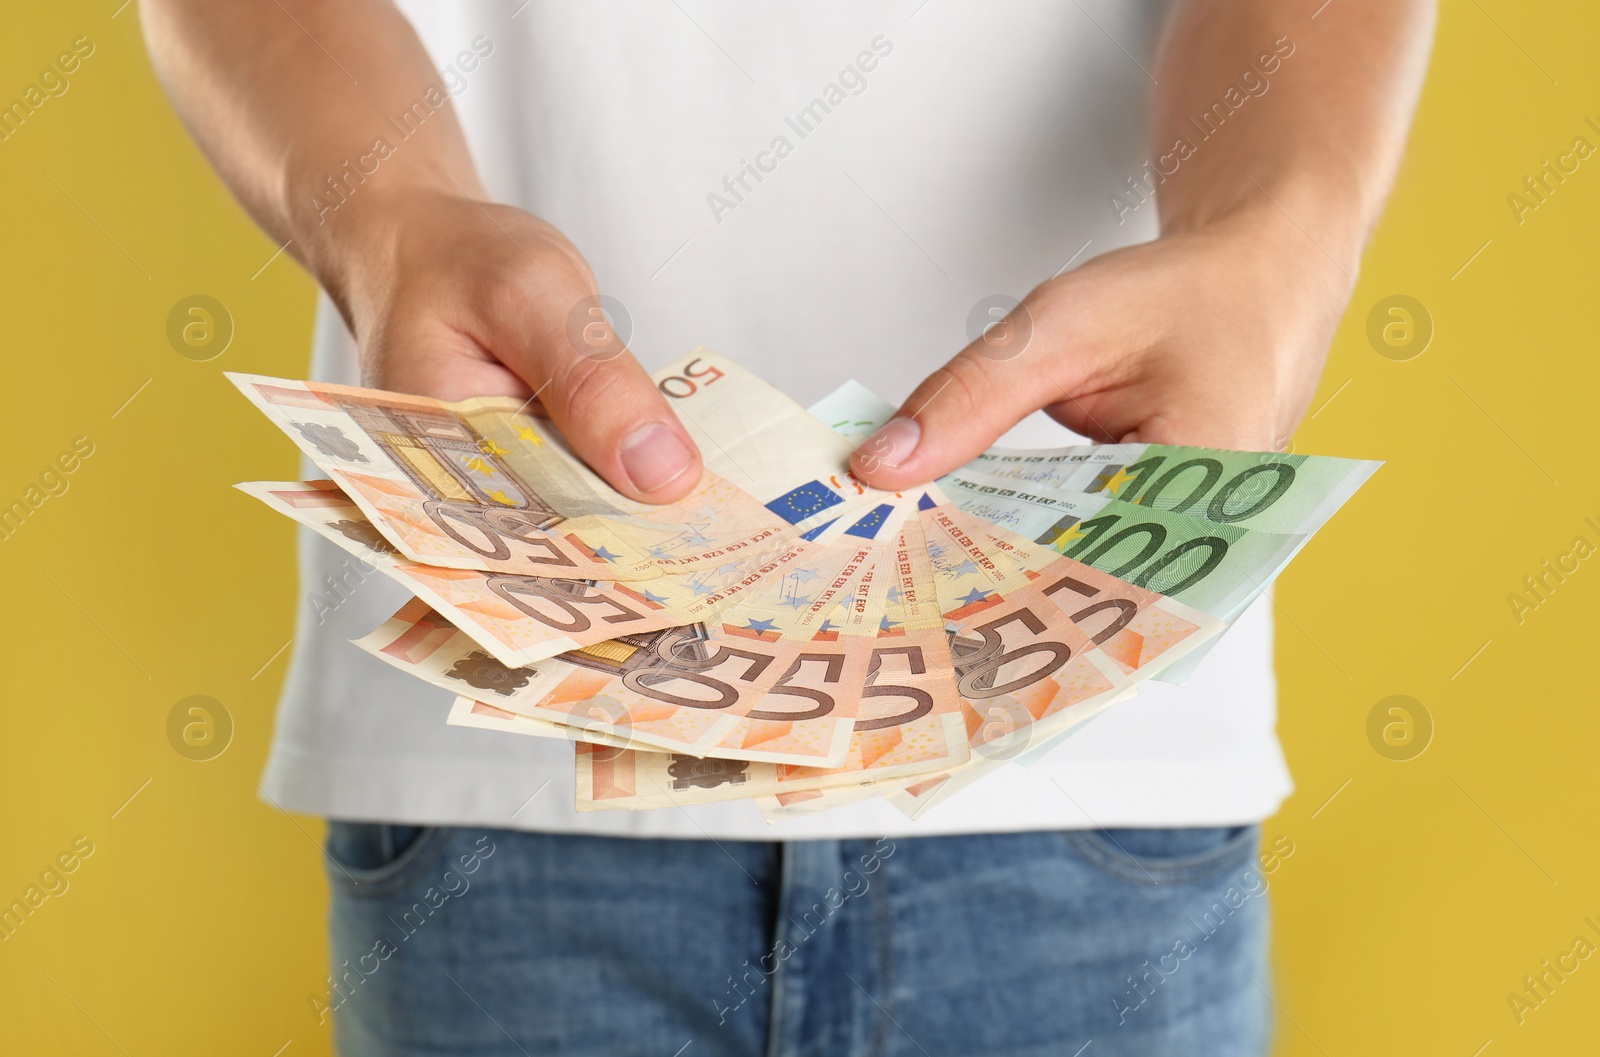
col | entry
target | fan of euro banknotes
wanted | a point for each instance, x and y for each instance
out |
(784, 633)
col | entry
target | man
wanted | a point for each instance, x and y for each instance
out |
(822, 194)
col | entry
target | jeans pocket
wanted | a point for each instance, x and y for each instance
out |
(1166, 856)
(376, 858)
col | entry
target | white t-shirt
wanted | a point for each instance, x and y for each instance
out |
(821, 196)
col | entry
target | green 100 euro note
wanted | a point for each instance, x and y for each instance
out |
(1269, 491)
(1216, 568)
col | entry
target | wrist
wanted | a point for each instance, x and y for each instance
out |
(344, 211)
(1296, 249)
(349, 232)
(1302, 224)
(389, 244)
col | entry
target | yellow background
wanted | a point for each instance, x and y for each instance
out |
(1418, 896)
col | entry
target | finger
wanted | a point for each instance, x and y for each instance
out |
(960, 409)
(429, 358)
(619, 423)
(605, 404)
(1106, 417)
(957, 412)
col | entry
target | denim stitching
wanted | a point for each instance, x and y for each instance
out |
(1188, 869)
(883, 925)
(393, 876)
(776, 1021)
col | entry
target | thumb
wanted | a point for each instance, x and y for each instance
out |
(604, 403)
(612, 414)
(956, 413)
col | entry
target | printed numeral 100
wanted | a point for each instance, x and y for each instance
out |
(1144, 472)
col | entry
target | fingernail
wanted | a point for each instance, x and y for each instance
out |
(653, 455)
(892, 445)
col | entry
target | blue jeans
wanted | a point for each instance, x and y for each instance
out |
(1151, 942)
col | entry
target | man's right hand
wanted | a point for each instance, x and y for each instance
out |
(453, 298)
(449, 295)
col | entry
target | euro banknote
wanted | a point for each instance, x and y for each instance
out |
(483, 484)
(778, 687)
(519, 618)
(1271, 491)
(786, 634)
(1215, 567)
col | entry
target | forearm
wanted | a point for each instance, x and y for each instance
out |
(283, 95)
(1259, 108)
